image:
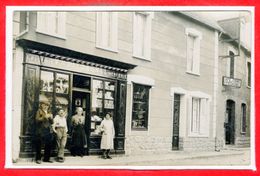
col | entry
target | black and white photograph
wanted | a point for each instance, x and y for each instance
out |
(130, 87)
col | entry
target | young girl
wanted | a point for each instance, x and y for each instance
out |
(108, 134)
(61, 129)
(79, 141)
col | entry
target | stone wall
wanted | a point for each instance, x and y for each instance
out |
(242, 141)
(198, 144)
(136, 145)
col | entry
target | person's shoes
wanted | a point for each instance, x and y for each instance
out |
(61, 160)
(38, 161)
(104, 157)
(48, 161)
(109, 157)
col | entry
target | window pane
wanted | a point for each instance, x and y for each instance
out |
(232, 64)
(249, 74)
(81, 82)
(195, 115)
(140, 106)
(46, 91)
(243, 118)
(47, 81)
(62, 83)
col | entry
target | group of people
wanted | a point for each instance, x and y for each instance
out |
(49, 128)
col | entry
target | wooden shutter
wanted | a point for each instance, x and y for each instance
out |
(204, 117)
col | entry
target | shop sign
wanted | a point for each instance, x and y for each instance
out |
(232, 82)
(61, 64)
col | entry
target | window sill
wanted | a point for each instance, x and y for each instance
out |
(52, 35)
(192, 73)
(142, 58)
(198, 136)
(107, 49)
(139, 129)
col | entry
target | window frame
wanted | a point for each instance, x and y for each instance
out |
(197, 35)
(146, 128)
(204, 119)
(113, 37)
(243, 118)
(60, 24)
(248, 74)
(147, 35)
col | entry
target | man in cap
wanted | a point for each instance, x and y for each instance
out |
(43, 132)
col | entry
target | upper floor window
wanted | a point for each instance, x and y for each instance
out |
(107, 23)
(51, 23)
(142, 35)
(231, 64)
(24, 21)
(193, 51)
(249, 74)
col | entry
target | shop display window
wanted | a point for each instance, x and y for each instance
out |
(103, 101)
(140, 107)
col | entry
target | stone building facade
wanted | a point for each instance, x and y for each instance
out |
(157, 70)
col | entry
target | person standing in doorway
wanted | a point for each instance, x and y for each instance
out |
(108, 134)
(43, 133)
(79, 139)
(61, 129)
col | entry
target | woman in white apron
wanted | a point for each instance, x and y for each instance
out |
(108, 134)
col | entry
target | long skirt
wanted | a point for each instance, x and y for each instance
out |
(79, 141)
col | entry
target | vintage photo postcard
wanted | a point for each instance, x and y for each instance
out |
(130, 87)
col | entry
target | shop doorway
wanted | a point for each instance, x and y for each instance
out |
(82, 99)
(176, 119)
(230, 122)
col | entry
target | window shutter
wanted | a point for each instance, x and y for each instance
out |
(196, 55)
(147, 34)
(41, 21)
(62, 23)
(114, 29)
(189, 113)
(204, 117)
(190, 53)
(136, 34)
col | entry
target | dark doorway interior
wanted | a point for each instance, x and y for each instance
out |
(176, 118)
(230, 122)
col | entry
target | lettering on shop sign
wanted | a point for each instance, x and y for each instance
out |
(233, 82)
(77, 67)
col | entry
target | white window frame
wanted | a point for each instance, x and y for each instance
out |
(241, 126)
(102, 36)
(45, 20)
(196, 52)
(247, 73)
(146, 38)
(146, 81)
(204, 119)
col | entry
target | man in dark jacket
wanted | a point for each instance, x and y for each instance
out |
(43, 132)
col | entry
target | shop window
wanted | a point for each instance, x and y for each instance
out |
(103, 101)
(243, 120)
(199, 112)
(249, 74)
(140, 108)
(54, 88)
(52, 23)
(107, 23)
(193, 51)
(142, 35)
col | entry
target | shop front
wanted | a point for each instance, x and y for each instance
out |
(68, 79)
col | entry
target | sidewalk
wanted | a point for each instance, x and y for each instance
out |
(139, 160)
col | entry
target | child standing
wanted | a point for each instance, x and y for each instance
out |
(61, 129)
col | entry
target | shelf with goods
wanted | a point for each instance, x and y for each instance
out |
(103, 101)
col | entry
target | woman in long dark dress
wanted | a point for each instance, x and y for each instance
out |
(79, 141)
